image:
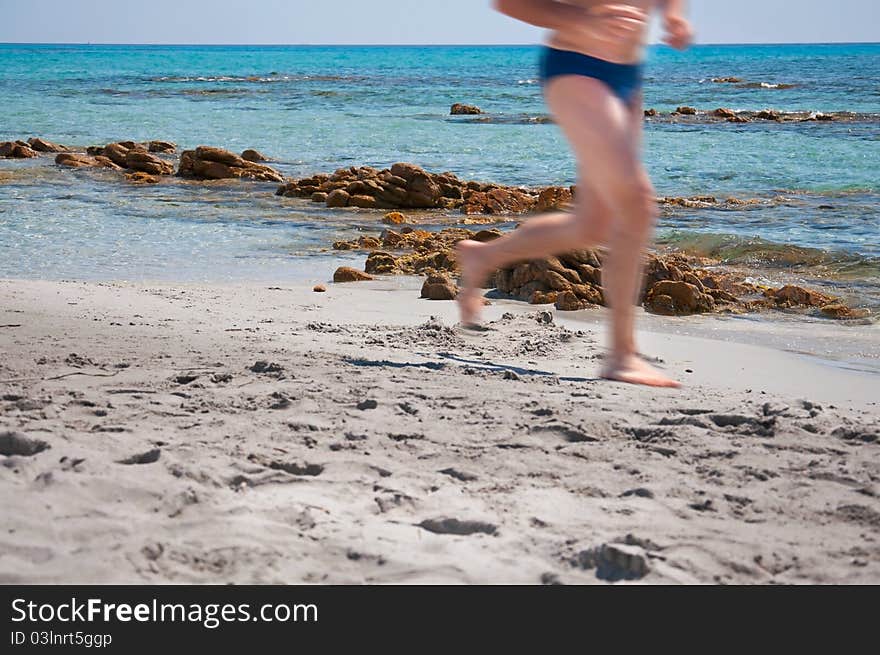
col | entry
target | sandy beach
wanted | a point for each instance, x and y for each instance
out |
(255, 434)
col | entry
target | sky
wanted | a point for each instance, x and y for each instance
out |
(401, 22)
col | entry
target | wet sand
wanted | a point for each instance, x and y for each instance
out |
(257, 434)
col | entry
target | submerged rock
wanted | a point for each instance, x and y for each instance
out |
(76, 160)
(139, 177)
(459, 109)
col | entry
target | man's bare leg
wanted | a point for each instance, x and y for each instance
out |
(607, 140)
(544, 236)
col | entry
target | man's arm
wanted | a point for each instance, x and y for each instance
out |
(675, 7)
(679, 33)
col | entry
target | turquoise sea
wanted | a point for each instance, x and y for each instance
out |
(315, 109)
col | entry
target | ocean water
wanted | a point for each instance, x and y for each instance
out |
(315, 109)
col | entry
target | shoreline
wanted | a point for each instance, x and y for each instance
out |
(247, 434)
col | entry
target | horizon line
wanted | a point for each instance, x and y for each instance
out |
(398, 45)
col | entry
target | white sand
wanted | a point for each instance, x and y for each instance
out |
(764, 468)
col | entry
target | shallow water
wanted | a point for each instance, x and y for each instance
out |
(317, 108)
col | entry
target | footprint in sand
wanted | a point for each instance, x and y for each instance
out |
(15, 443)
(149, 457)
(457, 527)
(614, 562)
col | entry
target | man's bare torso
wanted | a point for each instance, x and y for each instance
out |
(622, 51)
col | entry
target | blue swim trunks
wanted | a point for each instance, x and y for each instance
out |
(625, 80)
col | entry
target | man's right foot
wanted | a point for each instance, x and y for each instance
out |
(473, 275)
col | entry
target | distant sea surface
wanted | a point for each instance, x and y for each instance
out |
(315, 109)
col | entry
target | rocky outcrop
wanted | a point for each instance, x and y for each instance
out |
(76, 160)
(724, 113)
(459, 109)
(41, 145)
(406, 186)
(207, 163)
(769, 115)
(674, 284)
(133, 157)
(16, 150)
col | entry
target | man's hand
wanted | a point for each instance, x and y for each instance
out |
(679, 33)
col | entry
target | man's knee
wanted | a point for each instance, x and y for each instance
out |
(636, 202)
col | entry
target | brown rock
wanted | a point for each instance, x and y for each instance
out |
(41, 145)
(117, 153)
(726, 80)
(498, 201)
(724, 113)
(459, 109)
(686, 111)
(253, 155)
(484, 236)
(544, 298)
(320, 288)
(369, 243)
(567, 301)
(553, 198)
(348, 274)
(649, 113)
(394, 218)
(162, 146)
(362, 201)
(319, 196)
(668, 297)
(138, 160)
(794, 296)
(769, 115)
(439, 286)
(207, 162)
(209, 153)
(139, 177)
(338, 198)
(380, 262)
(16, 150)
(74, 160)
